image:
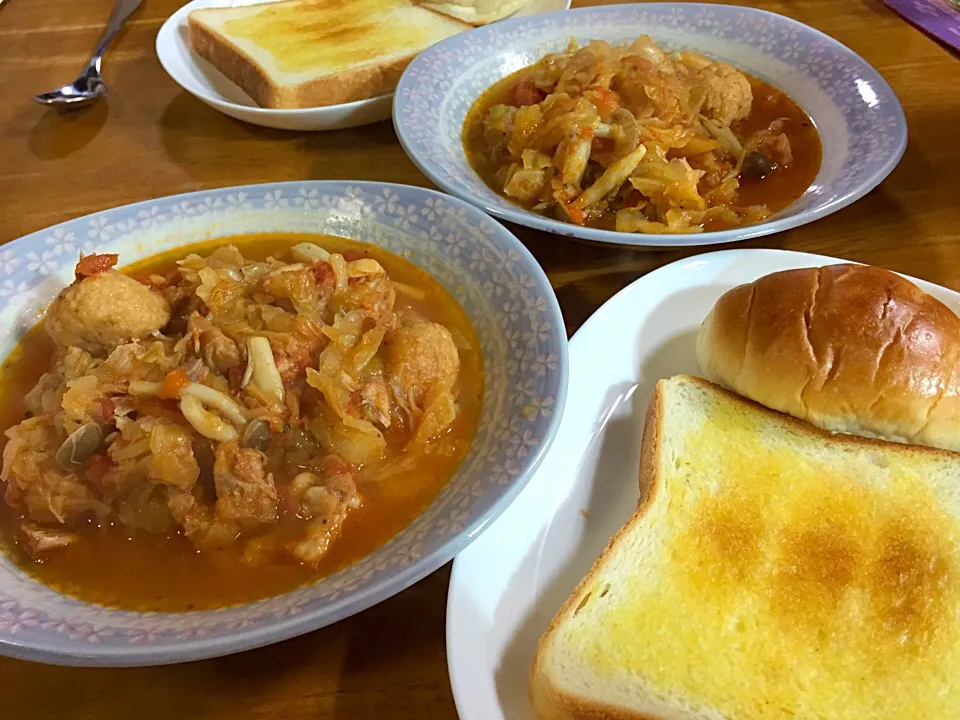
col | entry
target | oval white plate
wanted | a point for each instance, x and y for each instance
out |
(508, 584)
(206, 83)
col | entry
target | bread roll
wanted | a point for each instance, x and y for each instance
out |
(849, 348)
(475, 12)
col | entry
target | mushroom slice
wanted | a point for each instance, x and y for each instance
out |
(205, 422)
(309, 253)
(257, 435)
(264, 374)
(79, 446)
(364, 267)
(217, 400)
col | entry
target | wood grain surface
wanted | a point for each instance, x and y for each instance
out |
(151, 139)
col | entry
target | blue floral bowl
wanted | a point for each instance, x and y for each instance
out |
(496, 280)
(860, 121)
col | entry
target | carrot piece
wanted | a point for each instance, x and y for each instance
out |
(173, 384)
(106, 408)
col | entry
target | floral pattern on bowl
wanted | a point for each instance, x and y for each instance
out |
(860, 121)
(496, 280)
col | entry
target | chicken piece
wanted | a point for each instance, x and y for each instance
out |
(727, 96)
(199, 522)
(38, 540)
(292, 355)
(35, 483)
(326, 502)
(105, 310)
(246, 494)
(419, 354)
(772, 143)
(375, 402)
(219, 352)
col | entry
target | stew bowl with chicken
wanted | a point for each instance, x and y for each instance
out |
(658, 124)
(263, 410)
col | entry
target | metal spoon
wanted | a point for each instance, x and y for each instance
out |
(90, 86)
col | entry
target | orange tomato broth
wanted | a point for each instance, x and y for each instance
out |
(779, 189)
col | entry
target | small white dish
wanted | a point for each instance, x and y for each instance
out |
(206, 83)
(507, 586)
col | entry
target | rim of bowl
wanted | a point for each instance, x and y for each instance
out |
(350, 603)
(639, 240)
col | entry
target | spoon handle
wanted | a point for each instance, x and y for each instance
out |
(121, 12)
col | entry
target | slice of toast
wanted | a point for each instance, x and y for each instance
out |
(772, 570)
(312, 53)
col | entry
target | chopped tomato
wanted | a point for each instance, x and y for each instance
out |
(333, 465)
(353, 404)
(602, 146)
(99, 464)
(173, 384)
(93, 264)
(323, 274)
(576, 214)
(606, 101)
(106, 408)
(235, 377)
(351, 255)
(526, 92)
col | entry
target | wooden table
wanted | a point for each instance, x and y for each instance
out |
(152, 139)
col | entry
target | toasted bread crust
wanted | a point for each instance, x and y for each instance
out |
(358, 83)
(549, 701)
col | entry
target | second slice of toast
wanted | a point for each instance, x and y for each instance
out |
(312, 53)
(772, 572)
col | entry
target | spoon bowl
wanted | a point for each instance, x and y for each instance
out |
(90, 85)
(82, 91)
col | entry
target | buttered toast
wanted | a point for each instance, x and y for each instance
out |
(772, 570)
(311, 53)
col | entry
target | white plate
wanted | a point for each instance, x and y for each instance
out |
(206, 83)
(508, 584)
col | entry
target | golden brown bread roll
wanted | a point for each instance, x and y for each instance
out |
(850, 348)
